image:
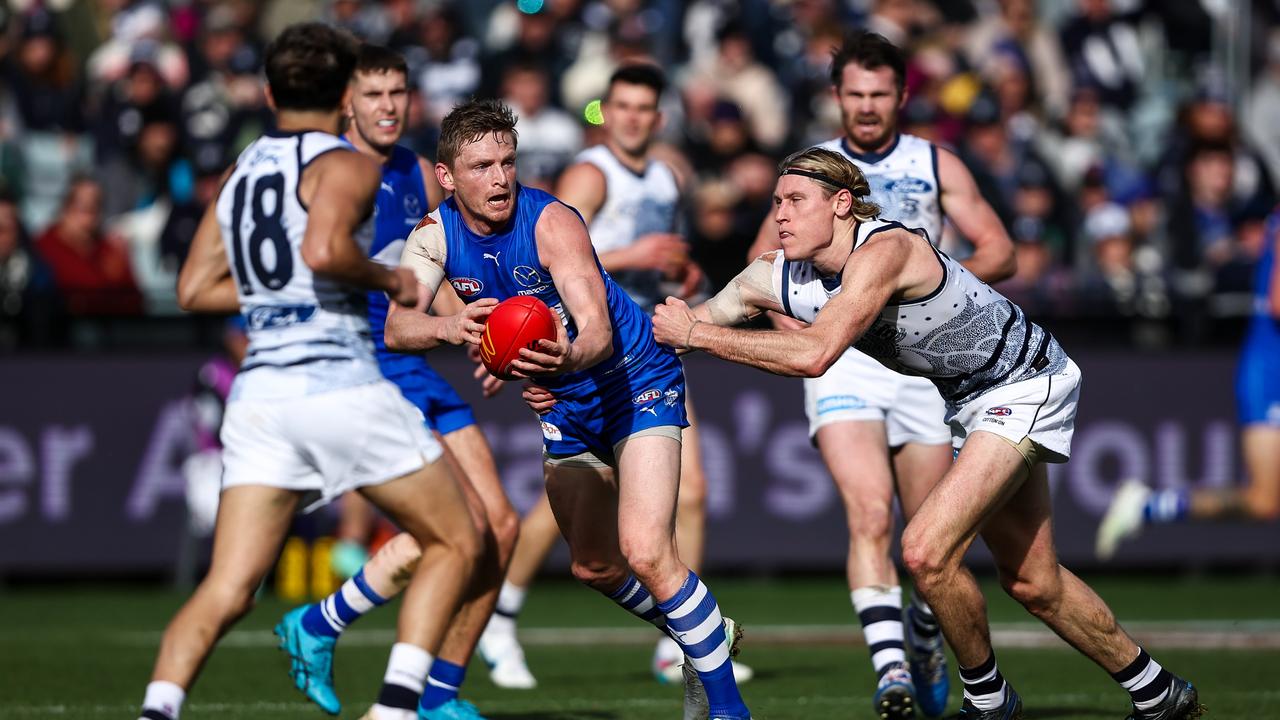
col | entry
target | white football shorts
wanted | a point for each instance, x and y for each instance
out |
(327, 443)
(857, 387)
(1042, 410)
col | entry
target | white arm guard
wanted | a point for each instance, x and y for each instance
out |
(748, 294)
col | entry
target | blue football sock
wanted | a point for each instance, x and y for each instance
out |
(332, 615)
(633, 598)
(1166, 506)
(693, 620)
(443, 683)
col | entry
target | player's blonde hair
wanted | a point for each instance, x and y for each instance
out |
(833, 172)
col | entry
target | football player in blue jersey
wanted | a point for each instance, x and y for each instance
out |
(631, 202)
(377, 114)
(1258, 406)
(612, 440)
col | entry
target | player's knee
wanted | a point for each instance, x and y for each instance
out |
(506, 530)
(233, 599)
(598, 574)
(1038, 592)
(870, 522)
(922, 556)
(693, 492)
(648, 557)
(469, 545)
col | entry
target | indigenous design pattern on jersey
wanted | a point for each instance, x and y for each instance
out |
(1257, 379)
(635, 205)
(903, 179)
(964, 336)
(309, 332)
(506, 265)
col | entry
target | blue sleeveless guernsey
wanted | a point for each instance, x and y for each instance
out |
(401, 203)
(639, 386)
(1257, 379)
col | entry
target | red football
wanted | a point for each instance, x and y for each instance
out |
(518, 322)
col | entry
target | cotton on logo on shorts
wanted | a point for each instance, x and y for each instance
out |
(840, 402)
(551, 432)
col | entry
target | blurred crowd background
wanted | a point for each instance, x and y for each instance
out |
(1131, 148)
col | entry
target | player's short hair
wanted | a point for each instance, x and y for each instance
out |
(380, 59)
(470, 122)
(833, 172)
(646, 74)
(309, 65)
(868, 50)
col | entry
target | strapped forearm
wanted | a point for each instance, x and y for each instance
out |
(748, 294)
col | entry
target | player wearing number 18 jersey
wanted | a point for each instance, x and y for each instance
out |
(309, 415)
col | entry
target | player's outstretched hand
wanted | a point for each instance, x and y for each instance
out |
(673, 322)
(538, 398)
(550, 357)
(405, 287)
(490, 384)
(468, 325)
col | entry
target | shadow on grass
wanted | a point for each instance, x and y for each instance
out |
(557, 715)
(1045, 713)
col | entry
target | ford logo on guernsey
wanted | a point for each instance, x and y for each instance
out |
(467, 287)
(909, 185)
(647, 396)
(1000, 411)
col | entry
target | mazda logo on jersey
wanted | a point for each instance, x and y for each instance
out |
(467, 287)
(527, 276)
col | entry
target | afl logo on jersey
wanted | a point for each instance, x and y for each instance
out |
(527, 276)
(646, 396)
(467, 287)
(909, 185)
(1000, 411)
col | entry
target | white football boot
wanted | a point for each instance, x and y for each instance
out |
(1123, 519)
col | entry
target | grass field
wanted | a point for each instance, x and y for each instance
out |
(86, 652)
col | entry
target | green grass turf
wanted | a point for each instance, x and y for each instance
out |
(86, 652)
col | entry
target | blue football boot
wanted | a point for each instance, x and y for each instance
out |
(455, 709)
(928, 669)
(311, 660)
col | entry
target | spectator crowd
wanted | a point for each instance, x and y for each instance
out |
(1131, 160)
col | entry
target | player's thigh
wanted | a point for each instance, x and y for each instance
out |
(252, 523)
(1261, 444)
(693, 481)
(584, 501)
(988, 471)
(857, 455)
(1020, 534)
(917, 468)
(471, 451)
(648, 481)
(429, 503)
(475, 503)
